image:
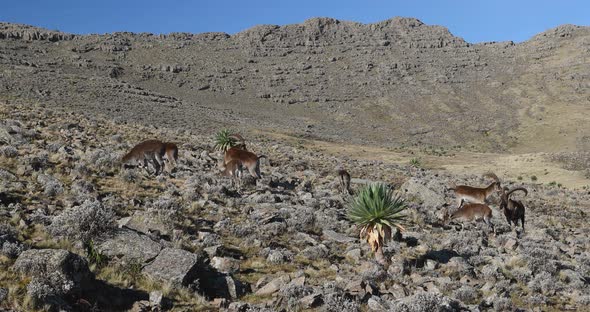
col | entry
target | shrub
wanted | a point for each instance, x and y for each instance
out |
(8, 151)
(83, 222)
(9, 245)
(224, 140)
(415, 162)
(51, 185)
(94, 256)
(104, 160)
(376, 211)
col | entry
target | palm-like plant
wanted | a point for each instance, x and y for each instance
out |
(224, 140)
(376, 210)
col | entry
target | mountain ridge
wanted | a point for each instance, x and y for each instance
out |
(397, 82)
(398, 21)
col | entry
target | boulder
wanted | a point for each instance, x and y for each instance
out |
(428, 197)
(337, 237)
(54, 273)
(129, 246)
(311, 301)
(273, 286)
(225, 264)
(315, 252)
(175, 266)
(150, 222)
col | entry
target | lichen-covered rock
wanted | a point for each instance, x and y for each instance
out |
(315, 252)
(130, 246)
(175, 266)
(428, 197)
(55, 273)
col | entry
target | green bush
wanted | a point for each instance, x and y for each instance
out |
(224, 140)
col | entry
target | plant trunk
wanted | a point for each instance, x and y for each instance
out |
(380, 257)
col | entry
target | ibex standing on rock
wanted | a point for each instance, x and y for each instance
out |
(513, 209)
(479, 195)
(154, 152)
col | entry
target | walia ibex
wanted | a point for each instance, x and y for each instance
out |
(246, 158)
(479, 195)
(233, 170)
(471, 212)
(344, 181)
(513, 209)
(155, 152)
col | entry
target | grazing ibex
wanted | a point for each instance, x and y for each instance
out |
(470, 212)
(247, 159)
(513, 209)
(479, 195)
(344, 181)
(154, 152)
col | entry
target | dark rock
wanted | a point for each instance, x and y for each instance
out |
(3, 294)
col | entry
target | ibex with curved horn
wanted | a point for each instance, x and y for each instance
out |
(513, 209)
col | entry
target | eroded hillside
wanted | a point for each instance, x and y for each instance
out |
(394, 83)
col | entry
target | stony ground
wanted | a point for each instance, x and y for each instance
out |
(77, 232)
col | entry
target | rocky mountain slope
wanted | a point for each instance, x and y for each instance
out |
(394, 83)
(78, 232)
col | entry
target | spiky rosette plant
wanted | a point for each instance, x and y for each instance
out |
(224, 140)
(376, 210)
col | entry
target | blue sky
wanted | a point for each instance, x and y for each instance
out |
(474, 20)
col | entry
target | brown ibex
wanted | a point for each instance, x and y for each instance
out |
(478, 195)
(471, 212)
(246, 158)
(233, 170)
(152, 151)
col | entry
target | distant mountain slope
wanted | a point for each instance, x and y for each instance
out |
(396, 82)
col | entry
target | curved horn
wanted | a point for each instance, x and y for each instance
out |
(518, 189)
(492, 175)
(238, 136)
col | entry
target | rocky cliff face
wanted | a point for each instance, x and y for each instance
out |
(396, 82)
